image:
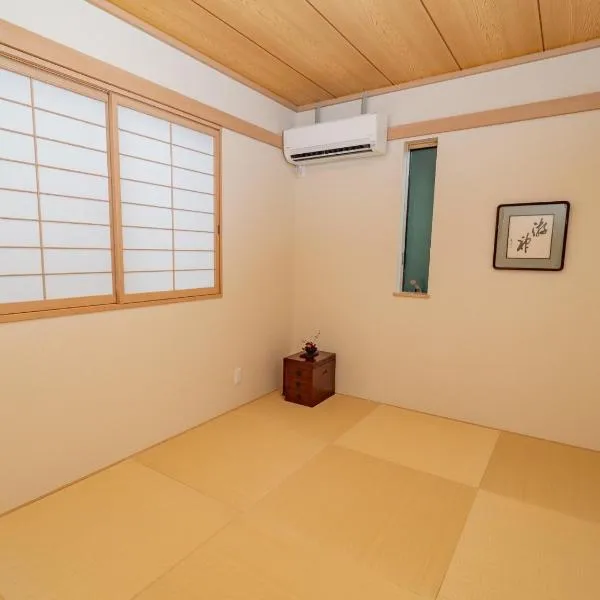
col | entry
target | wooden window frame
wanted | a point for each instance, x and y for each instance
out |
(137, 298)
(28, 310)
(408, 148)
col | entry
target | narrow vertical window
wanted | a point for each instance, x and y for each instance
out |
(418, 218)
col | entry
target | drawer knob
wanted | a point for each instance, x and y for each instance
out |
(298, 373)
(298, 383)
(325, 372)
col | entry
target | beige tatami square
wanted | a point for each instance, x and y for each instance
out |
(401, 523)
(516, 551)
(450, 449)
(380, 514)
(105, 538)
(325, 422)
(235, 458)
(547, 474)
(248, 562)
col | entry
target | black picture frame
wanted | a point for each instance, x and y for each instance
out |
(560, 210)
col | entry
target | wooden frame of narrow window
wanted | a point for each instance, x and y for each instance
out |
(408, 147)
(17, 311)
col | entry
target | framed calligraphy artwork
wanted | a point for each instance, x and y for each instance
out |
(531, 236)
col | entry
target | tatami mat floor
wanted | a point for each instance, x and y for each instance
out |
(350, 500)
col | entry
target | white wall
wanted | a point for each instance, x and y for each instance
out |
(80, 392)
(90, 30)
(507, 349)
(512, 350)
(568, 75)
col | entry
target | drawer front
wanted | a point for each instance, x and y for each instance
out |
(294, 370)
(300, 393)
(291, 384)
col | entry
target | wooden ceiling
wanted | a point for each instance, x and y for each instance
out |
(307, 51)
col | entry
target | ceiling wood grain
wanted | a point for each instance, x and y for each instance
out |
(567, 22)
(295, 32)
(316, 51)
(399, 37)
(485, 31)
(194, 26)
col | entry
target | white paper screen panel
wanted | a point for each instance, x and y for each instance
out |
(134, 192)
(167, 204)
(69, 235)
(62, 129)
(72, 158)
(147, 216)
(21, 289)
(18, 205)
(15, 117)
(79, 285)
(140, 238)
(74, 210)
(70, 104)
(137, 146)
(188, 240)
(185, 261)
(138, 283)
(16, 146)
(185, 200)
(137, 169)
(17, 176)
(148, 260)
(61, 261)
(185, 280)
(20, 261)
(15, 87)
(55, 239)
(195, 161)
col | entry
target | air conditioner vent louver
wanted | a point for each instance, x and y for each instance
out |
(357, 149)
(365, 135)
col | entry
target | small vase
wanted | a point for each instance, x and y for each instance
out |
(310, 354)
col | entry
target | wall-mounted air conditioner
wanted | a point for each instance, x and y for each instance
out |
(365, 135)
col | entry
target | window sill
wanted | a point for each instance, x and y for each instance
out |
(419, 295)
(80, 310)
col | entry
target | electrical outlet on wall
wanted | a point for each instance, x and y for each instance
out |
(237, 376)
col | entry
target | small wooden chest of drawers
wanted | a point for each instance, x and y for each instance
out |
(309, 382)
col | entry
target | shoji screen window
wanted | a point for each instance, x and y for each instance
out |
(55, 235)
(169, 205)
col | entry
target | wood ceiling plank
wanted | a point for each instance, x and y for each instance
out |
(192, 25)
(296, 33)
(566, 22)
(398, 37)
(485, 31)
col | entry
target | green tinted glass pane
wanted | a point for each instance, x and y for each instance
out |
(421, 183)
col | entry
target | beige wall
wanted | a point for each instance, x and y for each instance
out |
(87, 28)
(80, 392)
(514, 350)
